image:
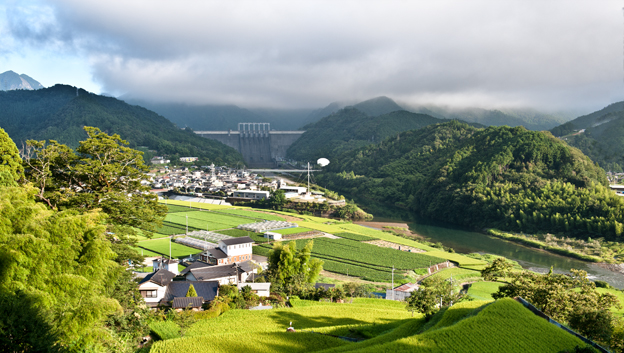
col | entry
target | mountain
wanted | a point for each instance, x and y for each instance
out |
(373, 107)
(529, 118)
(600, 135)
(377, 106)
(223, 117)
(351, 128)
(502, 177)
(60, 112)
(10, 80)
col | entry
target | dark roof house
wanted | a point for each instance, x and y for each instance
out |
(160, 277)
(214, 272)
(196, 264)
(178, 289)
(237, 241)
(186, 302)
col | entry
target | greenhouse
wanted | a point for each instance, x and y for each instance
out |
(261, 227)
(195, 243)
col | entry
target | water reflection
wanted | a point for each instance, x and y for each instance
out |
(540, 261)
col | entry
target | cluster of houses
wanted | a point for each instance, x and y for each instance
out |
(229, 264)
(215, 180)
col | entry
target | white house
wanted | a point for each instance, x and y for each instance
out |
(401, 292)
(229, 251)
(273, 236)
(163, 263)
(154, 286)
(262, 289)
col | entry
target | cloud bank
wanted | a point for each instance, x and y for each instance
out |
(550, 55)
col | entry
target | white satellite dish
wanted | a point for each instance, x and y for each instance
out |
(322, 162)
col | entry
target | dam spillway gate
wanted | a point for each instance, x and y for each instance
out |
(260, 146)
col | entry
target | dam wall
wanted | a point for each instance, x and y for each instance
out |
(259, 146)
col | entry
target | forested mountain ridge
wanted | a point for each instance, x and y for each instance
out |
(508, 178)
(351, 128)
(600, 135)
(60, 112)
(529, 118)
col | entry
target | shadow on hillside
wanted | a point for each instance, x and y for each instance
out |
(305, 322)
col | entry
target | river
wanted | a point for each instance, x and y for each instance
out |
(464, 241)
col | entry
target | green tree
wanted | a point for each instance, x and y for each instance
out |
(191, 291)
(557, 295)
(11, 169)
(103, 174)
(423, 301)
(291, 269)
(277, 199)
(62, 262)
(499, 268)
(596, 325)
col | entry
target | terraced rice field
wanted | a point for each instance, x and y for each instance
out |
(477, 326)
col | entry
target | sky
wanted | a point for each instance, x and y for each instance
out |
(549, 55)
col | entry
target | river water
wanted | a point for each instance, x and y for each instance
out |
(464, 241)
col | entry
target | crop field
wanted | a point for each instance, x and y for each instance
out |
(202, 220)
(476, 326)
(287, 231)
(162, 246)
(252, 214)
(370, 262)
(354, 236)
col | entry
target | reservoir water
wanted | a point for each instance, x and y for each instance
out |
(464, 241)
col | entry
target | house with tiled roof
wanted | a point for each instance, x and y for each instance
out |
(154, 286)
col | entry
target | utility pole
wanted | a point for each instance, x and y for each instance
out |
(186, 224)
(392, 289)
(171, 237)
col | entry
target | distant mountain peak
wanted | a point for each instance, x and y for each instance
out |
(10, 80)
(378, 106)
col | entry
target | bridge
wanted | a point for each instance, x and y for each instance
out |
(260, 146)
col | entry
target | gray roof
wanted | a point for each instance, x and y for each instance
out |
(216, 253)
(247, 266)
(236, 241)
(160, 277)
(325, 286)
(196, 264)
(205, 289)
(212, 272)
(185, 302)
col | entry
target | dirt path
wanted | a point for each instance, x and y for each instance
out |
(345, 278)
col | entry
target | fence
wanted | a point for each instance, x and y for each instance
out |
(539, 313)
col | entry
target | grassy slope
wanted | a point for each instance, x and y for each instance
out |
(503, 326)
(483, 290)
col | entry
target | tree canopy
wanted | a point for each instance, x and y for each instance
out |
(289, 268)
(102, 174)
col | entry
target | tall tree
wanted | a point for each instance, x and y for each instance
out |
(498, 268)
(290, 269)
(11, 170)
(59, 263)
(103, 174)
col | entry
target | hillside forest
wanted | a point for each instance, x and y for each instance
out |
(501, 177)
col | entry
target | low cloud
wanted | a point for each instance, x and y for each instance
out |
(550, 55)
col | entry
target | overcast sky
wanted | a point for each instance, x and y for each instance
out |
(543, 54)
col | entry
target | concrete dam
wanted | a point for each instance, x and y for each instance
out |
(260, 146)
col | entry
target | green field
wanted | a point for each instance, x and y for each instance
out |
(161, 246)
(252, 214)
(476, 326)
(287, 231)
(346, 256)
(459, 274)
(354, 236)
(483, 290)
(370, 262)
